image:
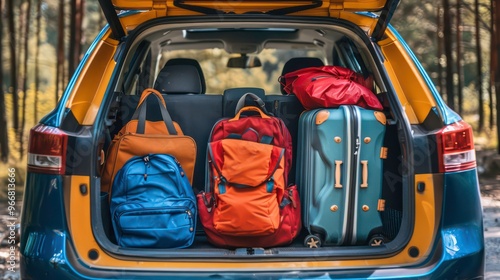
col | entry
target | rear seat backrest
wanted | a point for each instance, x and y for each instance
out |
(297, 63)
(181, 76)
(232, 95)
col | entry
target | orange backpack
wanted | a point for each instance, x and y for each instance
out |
(248, 185)
(140, 137)
(249, 204)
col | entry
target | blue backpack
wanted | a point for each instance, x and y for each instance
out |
(152, 204)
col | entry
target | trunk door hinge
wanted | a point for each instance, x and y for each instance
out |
(160, 6)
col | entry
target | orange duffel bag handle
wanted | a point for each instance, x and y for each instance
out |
(140, 112)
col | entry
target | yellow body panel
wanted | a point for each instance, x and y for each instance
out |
(413, 92)
(91, 85)
(78, 213)
(244, 6)
(367, 24)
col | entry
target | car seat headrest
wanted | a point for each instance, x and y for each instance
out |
(181, 76)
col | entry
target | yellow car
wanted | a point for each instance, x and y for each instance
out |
(432, 222)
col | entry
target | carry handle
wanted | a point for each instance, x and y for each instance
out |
(147, 92)
(364, 164)
(255, 98)
(140, 112)
(247, 109)
(337, 174)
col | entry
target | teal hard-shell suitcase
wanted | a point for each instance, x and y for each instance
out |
(339, 175)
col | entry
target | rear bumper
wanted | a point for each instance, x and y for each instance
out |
(53, 257)
(48, 252)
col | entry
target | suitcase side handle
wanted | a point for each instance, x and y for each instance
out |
(338, 174)
(364, 164)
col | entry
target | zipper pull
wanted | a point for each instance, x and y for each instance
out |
(146, 165)
(188, 212)
(357, 146)
(179, 166)
(223, 180)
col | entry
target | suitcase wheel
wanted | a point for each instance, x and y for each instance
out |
(312, 241)
(377, 240)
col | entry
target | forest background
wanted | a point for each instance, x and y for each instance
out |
(42, 42)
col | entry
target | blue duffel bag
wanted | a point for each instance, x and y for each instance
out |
(152, 204)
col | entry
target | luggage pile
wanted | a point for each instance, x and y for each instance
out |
(248, 201)
(247, 204)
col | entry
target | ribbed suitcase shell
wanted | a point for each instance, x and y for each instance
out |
(332, 145)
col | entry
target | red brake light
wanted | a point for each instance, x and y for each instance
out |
(456, 147)
(47, 150)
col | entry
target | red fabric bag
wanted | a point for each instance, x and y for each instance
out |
(330, 86)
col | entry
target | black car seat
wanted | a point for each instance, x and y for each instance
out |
(181, 76)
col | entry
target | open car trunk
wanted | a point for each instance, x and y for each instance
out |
(337, 42)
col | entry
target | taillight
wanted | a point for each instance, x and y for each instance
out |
(47, 150)
(456, 147)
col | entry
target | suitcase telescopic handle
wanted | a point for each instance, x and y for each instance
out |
(140, 112)
(337, 185)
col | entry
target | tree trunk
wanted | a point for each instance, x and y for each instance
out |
(75, 40)
(479, 65)
(440, 49)
(80, 31)
(4, 139)
(37, 57)
(19, 39)
(493, 65)
(13, 65)
(25, 76)
(460, 92)
(497, 70)
(72, 35)
(450, 94)
(60, 50)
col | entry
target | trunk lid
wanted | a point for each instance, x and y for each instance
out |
(320, 8)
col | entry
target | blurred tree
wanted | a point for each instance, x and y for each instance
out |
(497, 66)
(479, 81)
(493, 65)
(460, 92)
(60, 50)
(76, 19)
(4, 140)
(37, 57)
(13, 65)
(25, 75)
(440, 48)
(448, 42)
